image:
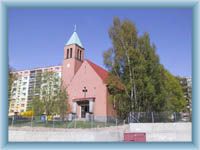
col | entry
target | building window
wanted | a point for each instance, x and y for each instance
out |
(70, 52)
(80, 54)
(22, 105)
(77, 55)
(67, 53)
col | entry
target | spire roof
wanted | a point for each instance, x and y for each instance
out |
(74, 39)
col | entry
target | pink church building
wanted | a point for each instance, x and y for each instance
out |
(85, 82)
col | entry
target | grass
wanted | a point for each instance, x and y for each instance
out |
(61, 124)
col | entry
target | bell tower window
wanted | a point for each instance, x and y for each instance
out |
(70, 52)
(80, 54)
(77, 54)
(67, 54)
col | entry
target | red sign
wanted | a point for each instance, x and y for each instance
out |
(135, 137)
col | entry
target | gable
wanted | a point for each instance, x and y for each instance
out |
(102, 73)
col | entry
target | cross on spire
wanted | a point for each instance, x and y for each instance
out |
(75, 28)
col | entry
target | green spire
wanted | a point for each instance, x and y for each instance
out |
(74, 39)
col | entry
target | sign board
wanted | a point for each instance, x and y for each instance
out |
(135, 137)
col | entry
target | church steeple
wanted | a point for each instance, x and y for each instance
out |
(74, 39)
(73, 57)
(74, 47)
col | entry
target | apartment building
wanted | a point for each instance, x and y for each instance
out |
(26, 86)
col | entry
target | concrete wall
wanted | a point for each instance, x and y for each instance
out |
(164, 132)
(109, 134)
(155, 132)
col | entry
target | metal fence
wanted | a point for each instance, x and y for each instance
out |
(134, 117)
(153, 117)
(51, 122)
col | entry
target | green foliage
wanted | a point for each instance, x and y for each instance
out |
(37, 106)
(53, 96)
(137, 81)
(60, 106)
(11, 78)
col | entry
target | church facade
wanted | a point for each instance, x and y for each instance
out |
(85, 82)
(83, 79)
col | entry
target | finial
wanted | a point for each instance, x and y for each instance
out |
(75, 28)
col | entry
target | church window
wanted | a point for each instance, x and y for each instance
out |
(67, 53)
(80, 55)
(70, 52)
(77, 54)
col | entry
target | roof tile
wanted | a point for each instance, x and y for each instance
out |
(103, 74)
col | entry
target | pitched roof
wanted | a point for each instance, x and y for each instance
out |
(103, 74)
(74, 39)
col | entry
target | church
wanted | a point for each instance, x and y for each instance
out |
(85, 83)
(83, 79)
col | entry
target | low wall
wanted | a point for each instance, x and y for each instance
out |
(164, 132)
(155, 132)
(28, 134)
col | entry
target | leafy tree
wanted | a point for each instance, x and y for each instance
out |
(11, 78)
(37, 106)
(61, 101)
(53, 96)
(137, 81)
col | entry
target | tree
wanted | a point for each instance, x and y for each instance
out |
(61, 101)
(137, 81)
(37, 106)
(11, 78)
(53, 97)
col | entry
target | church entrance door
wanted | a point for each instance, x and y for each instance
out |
(84, 110)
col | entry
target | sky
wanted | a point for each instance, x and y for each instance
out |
(36, 37)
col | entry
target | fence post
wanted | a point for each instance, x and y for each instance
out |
(91, 121)
(31, 121)
(12, 121)
(116, 121)
(66, 123)
(75, 122)
(152, 117)
(174, 116)
(53, 120)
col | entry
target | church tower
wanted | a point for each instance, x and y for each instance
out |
(73, 58)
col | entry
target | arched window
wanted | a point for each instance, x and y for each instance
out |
(67, 54)
(77, 54)
(80, 54)
(70, 52)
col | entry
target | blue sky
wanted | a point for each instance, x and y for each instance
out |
(36, 37)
